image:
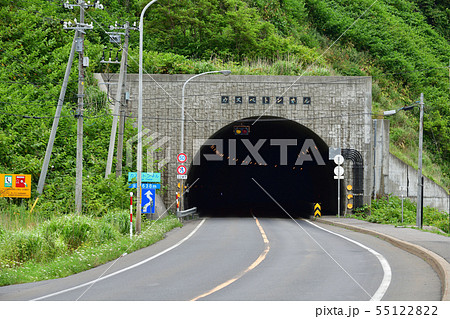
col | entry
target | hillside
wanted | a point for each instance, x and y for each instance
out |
(403, 44)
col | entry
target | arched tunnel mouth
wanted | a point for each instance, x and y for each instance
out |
(262, 166)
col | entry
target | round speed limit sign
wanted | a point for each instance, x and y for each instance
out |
(181, 158)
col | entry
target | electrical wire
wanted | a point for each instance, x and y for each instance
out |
(281, 88)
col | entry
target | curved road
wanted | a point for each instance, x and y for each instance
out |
(249, 259)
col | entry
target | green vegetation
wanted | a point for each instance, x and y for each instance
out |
(389, 211)
(406, 56)
(69, 244)
(403, 44)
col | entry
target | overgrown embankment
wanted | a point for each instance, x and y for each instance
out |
(68, 244)
(389, 211)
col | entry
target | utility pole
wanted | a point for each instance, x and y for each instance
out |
(75, 47)
(120, 134)
(83, 62)
(79, 116)
(118, 100)
(419, 212)
(51, 140)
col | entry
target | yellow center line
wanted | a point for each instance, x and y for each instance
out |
(261, 257)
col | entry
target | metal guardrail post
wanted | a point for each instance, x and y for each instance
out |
(185, 213)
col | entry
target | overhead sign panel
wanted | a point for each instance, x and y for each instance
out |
(15, 185)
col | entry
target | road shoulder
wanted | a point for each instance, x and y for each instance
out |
(439, 264)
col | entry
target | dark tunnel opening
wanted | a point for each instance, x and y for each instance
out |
(273, 167)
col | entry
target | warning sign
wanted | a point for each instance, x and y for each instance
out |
(317, 210)
(15, 185)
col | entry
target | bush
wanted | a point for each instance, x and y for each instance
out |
(58, 236)
(120, 220)
(389, 211)
(19, 247)
(72, 230)
(76, 231)
(106, 232)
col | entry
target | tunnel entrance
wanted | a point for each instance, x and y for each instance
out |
(252, 164)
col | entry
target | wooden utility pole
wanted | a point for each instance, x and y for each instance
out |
(79, 117)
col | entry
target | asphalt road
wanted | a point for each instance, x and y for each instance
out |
(249, 259)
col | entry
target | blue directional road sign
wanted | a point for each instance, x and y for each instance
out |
(148, 201)
(145, 177)
(145, 186)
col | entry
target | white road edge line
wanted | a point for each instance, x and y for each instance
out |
(125, 269)
(387, 277)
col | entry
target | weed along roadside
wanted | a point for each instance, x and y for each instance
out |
(69, 244)
(392, 211)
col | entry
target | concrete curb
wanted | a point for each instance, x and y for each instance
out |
(439, 264)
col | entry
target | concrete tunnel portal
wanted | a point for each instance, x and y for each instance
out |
(255, 165)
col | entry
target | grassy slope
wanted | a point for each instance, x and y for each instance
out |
(70, 244)
(390, 42)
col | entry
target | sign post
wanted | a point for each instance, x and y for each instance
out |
(339, 174)
(181, 174)
(131, 215)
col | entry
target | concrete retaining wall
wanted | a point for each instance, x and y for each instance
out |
(393, 176)
(403, 181)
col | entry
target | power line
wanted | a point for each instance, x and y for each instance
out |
(36, 117)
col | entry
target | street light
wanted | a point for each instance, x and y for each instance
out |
(224, 72)
(139, 149)
(419, 210)
(392, 112)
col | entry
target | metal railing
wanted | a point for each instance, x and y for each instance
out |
(188, 212)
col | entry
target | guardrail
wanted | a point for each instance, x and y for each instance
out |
(188, 212)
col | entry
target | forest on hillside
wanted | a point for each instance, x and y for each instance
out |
(403, 44)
